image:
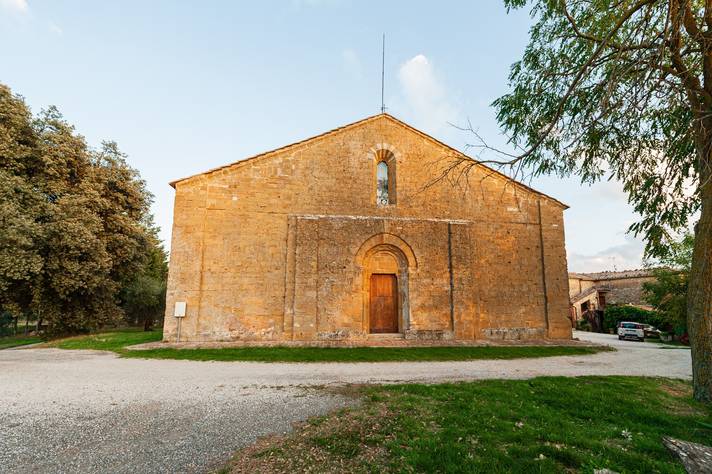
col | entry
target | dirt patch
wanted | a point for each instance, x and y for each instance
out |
(348, 441)
(677, 389)
(682, 393)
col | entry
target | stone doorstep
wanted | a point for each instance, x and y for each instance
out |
(386, 336)
(386, 340)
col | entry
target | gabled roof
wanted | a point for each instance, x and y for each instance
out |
(357, 124)
(580, 276)
(609, 275)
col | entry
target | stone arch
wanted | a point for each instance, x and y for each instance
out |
(386, 254)
(387, 239)
(382, 148)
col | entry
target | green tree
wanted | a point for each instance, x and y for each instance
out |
(144, 297)
(623, 89)
(77, 224)
(20, 203)
(668, 293)
(75, 291)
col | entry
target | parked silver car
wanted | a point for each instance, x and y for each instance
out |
(631, 330)
(651, 331)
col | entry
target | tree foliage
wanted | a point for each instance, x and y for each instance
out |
(668, 293)
(622, 89)
(597, 94)
(144, 298)
(76, 227)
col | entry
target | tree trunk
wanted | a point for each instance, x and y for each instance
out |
(699, 301)
(695, 457)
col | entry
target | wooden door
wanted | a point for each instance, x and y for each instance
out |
(601, 301)
(384, 304)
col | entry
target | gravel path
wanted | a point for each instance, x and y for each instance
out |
(87, 411)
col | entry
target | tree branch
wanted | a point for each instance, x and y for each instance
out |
(597, 40)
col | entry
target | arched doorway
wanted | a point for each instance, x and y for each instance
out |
(383, 294)
(386, 262)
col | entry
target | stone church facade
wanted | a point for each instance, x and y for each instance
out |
(349, 236)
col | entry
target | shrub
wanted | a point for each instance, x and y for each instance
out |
(615, 314)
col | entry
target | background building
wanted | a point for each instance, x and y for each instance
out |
(593, 291)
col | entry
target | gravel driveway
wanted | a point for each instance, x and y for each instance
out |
(89, 411)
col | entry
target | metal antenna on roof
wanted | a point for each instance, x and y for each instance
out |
(383, 73)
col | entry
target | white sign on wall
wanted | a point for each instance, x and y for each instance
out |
(179, 311)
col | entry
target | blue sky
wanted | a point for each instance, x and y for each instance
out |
(187, 86)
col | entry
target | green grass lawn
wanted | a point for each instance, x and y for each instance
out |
(549, 424)
(19, 340)
(117, 341)
(114, 341)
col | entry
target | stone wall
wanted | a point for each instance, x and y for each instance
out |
(578, 285)
(277, 247)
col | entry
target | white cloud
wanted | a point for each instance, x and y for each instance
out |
(54, 28)
(17, 6)
(626, 256)
(609, 190)
(352, 63)
(425, 95)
